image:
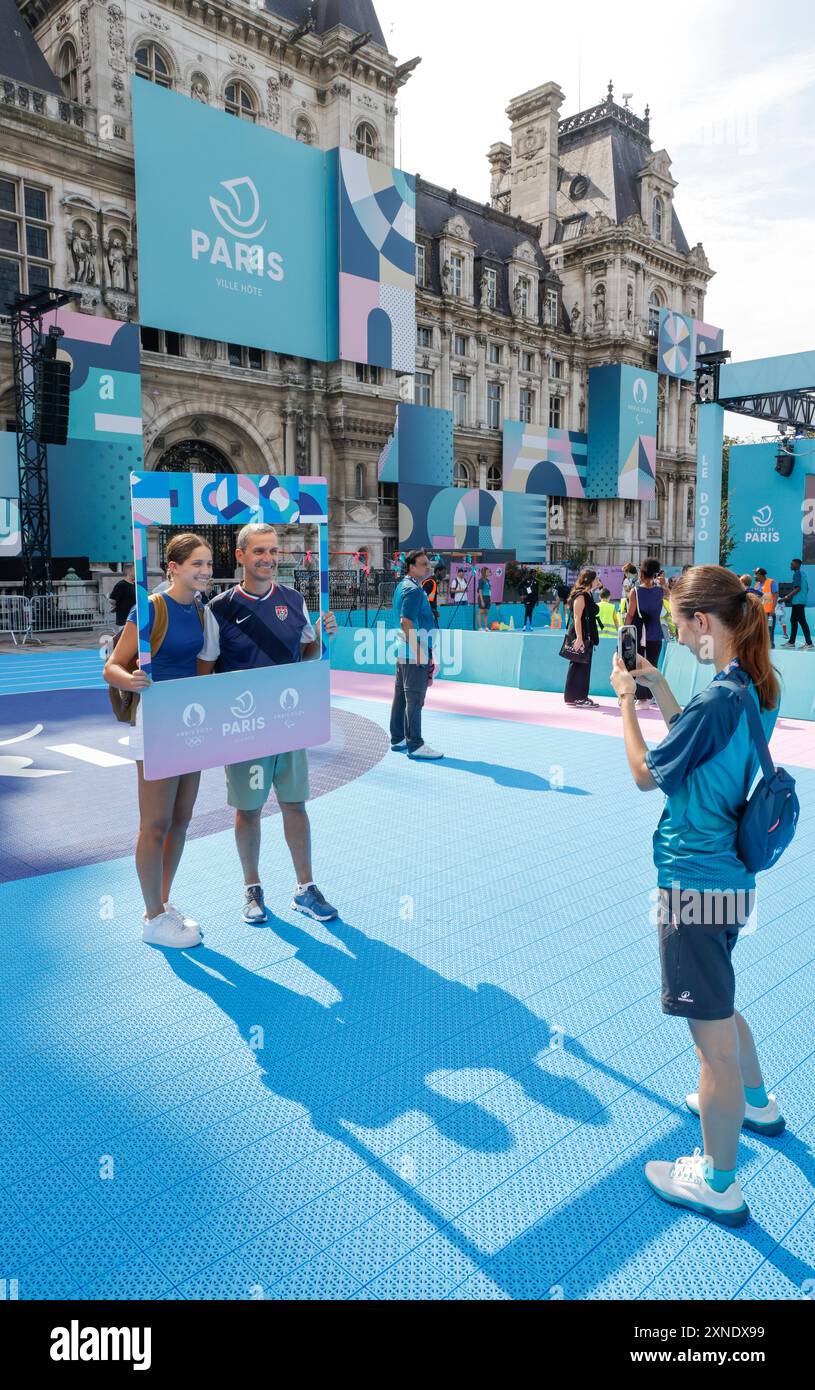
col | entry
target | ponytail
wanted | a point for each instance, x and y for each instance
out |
(712, 589)
(752, 639)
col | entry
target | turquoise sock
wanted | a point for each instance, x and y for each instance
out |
(721, 1178)
(756, 1095)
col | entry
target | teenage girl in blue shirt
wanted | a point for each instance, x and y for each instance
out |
(706, 767)
(166, 804)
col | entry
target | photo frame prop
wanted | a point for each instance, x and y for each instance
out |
(211, 721)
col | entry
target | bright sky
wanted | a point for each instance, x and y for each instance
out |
(731, 88)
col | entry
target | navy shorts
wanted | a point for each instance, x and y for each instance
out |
(696, 941)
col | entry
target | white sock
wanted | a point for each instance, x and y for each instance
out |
(247, 886)
(301, 887)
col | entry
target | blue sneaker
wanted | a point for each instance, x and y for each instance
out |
(254, 908)
(313, 904)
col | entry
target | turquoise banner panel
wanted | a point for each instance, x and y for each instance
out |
(793, 372)
(9, 476)
(768, 513)
(232, 227)
(710, 436)
(89, 476)
(622, 432)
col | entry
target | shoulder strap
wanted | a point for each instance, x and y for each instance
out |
(756, 727)
(160, 622)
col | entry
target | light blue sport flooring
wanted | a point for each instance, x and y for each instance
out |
(449, 1093)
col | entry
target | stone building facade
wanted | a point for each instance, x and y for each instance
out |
(565, 265)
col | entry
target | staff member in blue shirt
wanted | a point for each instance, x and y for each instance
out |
(260, 623)
(798, 598)
(706, 766)
(414, 664)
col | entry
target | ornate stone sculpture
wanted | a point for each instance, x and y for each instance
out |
(83, 253)
(117, 258)
(273, 100)
(600, 304)
(116, 36)
(485, 290)
(198, 88)
(629, 303)
(84, 34)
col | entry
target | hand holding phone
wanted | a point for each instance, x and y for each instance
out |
(627, 646)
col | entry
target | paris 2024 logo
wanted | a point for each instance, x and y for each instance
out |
(240, 250)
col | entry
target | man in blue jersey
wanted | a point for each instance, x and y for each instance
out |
(262, 623)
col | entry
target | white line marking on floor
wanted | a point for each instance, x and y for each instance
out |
(4, 742)
(84, 754)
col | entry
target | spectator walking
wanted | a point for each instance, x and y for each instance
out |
(797, 599)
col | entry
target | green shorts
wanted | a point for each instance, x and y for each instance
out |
(248, 784)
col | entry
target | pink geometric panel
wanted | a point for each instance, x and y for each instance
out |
(357, 298)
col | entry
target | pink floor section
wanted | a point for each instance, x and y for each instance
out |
(793, 743)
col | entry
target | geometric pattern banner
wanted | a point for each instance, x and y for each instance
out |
(450, 518)
(543, 462)
(89, 476)
(526, 525)
(377, 262)
(425, 445)
(622, 433)
(681, 339)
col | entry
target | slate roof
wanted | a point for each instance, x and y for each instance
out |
(20, 55)
(496, 236)
(358, 15)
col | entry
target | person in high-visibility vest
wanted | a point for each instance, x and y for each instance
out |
(609, 615)
(767, 589)
(431, 588)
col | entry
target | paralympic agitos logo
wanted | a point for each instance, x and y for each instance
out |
(240, 249)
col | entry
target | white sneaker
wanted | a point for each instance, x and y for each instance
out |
(764, 1119)
(788, 646)
(166, 930)
(425, 751)
(188, 922)
(808, 647)
(683, 1184)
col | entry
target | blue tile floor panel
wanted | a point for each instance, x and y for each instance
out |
(449, 1093)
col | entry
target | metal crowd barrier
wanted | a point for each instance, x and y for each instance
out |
(68, 608)
(16, 616)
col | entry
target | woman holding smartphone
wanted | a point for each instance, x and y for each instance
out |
(644, 612)
(166, 804)
(583, 636)
(705, 767)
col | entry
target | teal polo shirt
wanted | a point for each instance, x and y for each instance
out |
(801, 583)
(706, 767)
(410, 601)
